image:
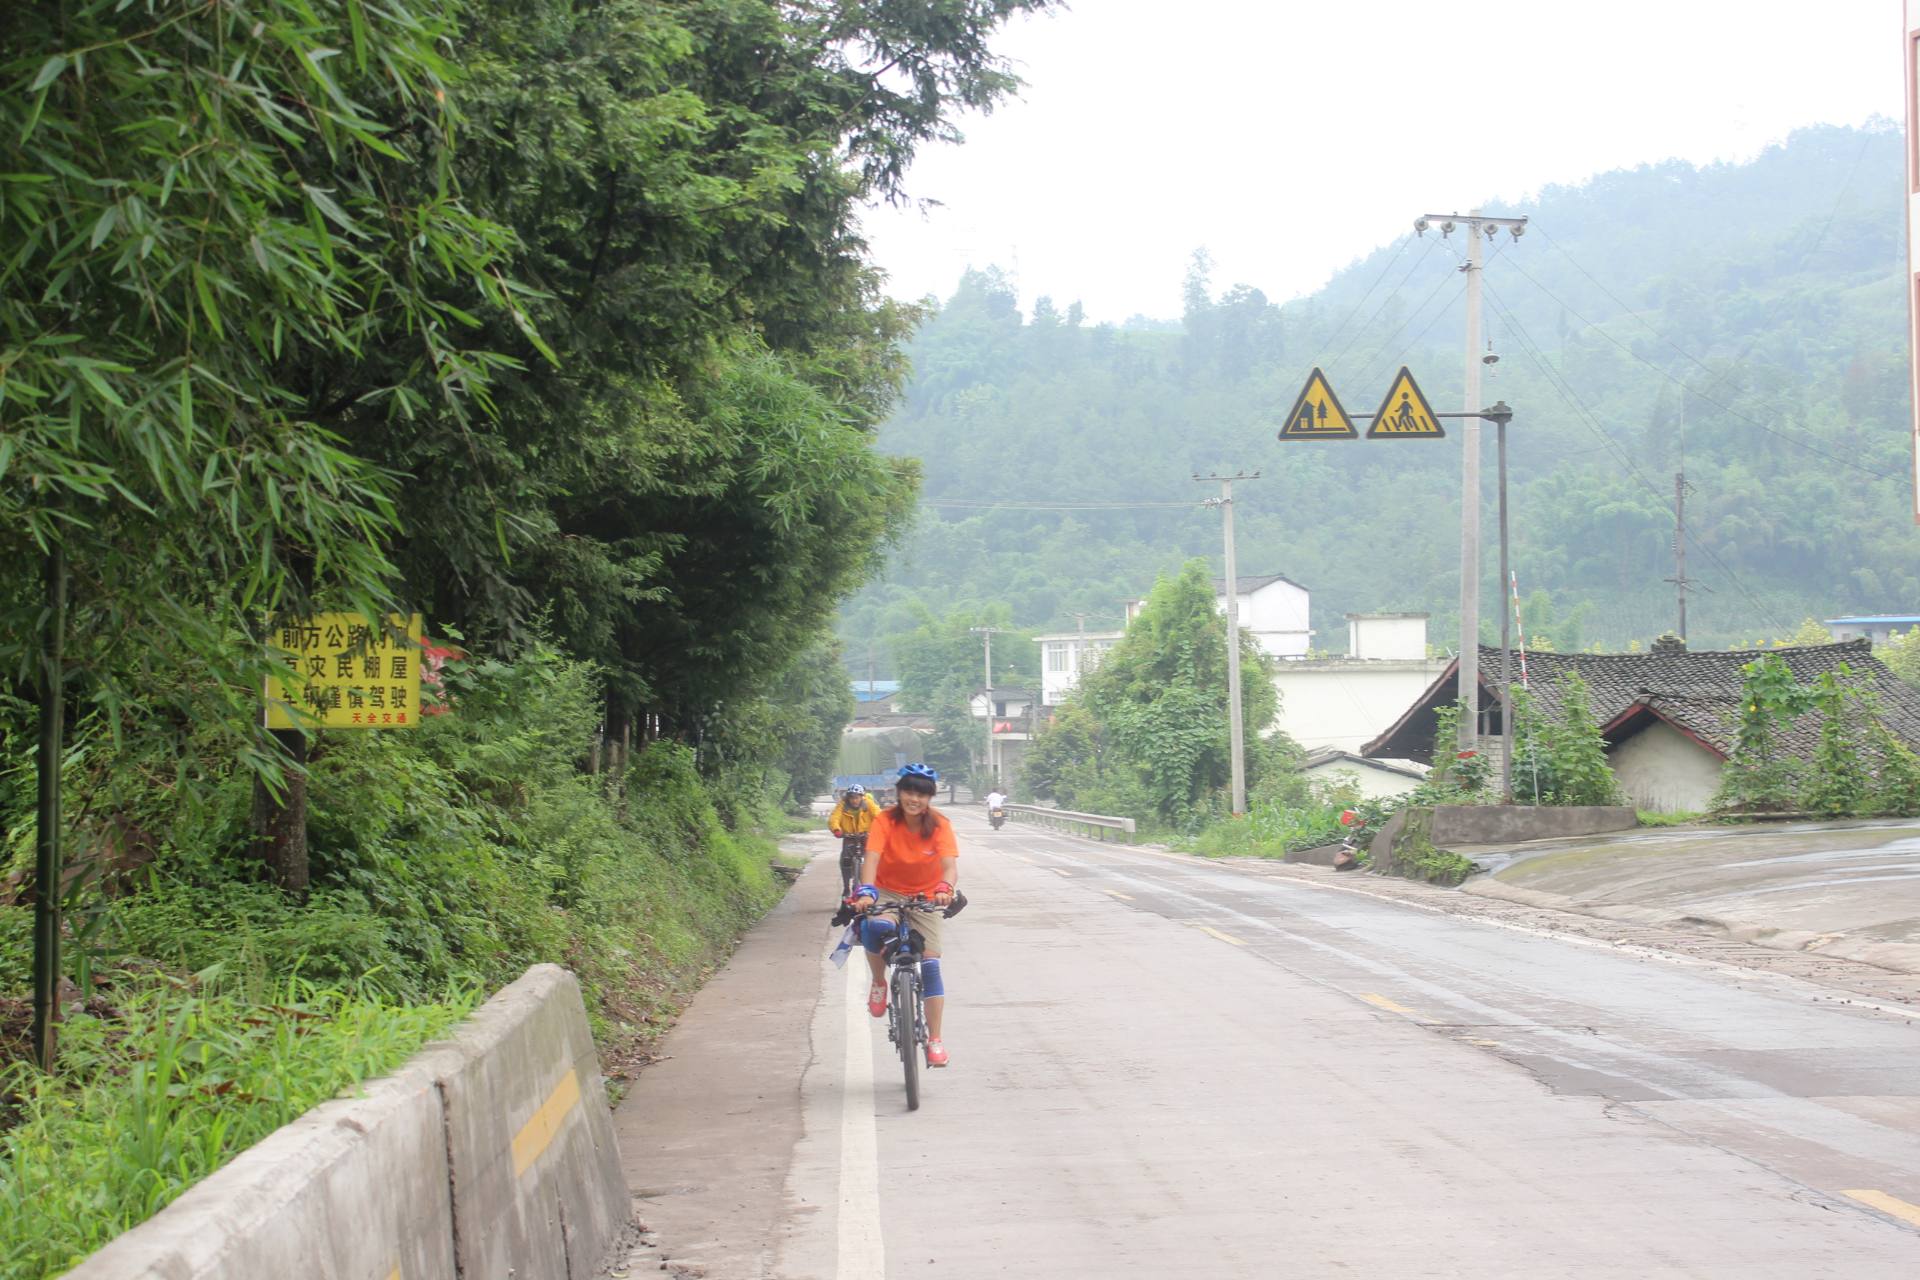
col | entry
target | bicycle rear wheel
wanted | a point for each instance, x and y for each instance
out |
(906, 1000)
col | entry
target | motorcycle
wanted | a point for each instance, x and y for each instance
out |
(1348, 856)
(997, 816)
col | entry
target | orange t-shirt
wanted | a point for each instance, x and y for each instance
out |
(909, 861)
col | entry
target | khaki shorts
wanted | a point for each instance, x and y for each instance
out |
(927, 922)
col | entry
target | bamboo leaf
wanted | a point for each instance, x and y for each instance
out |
(49, 72)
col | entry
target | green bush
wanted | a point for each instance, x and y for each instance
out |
(167, 1082)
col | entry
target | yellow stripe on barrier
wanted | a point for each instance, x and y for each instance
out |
(536, 1135)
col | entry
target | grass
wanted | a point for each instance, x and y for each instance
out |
(162, 1082)
(1679, 818)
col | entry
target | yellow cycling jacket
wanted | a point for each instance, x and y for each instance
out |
(853, 822)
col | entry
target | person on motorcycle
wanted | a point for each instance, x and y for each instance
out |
(910, 853)
(995, 799)
(851, 819)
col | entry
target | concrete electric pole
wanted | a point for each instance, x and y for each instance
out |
(1476, 226)
(1236, 734)
(993, 763)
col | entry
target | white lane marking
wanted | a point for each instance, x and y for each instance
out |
(862, 1254)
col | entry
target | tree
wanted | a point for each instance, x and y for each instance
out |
(1149, 725)
(203, 211)
(1758, 775)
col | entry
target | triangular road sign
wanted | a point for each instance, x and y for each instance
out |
(1317, 414)
(1405, 413)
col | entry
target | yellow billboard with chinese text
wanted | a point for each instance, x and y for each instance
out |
(344, 674)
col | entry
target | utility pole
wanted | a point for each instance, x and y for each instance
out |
(1236, 734)
(1476, 226)
(1681, 583)
(993, 764)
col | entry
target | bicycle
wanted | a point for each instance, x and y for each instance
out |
(906, 1006)
(853, 852)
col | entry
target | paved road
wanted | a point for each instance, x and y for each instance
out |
(1166, 1068)
(1841, 888)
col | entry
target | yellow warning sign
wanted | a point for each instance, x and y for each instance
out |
(344, 674)
(1405, 413)
(1317, 414)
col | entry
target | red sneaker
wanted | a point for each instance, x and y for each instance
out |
(877, 1000)
(936, 1053)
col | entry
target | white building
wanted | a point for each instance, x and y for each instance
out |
(1339, 704)
(1879, 628)
(1066, 656)
(1011, 725)
(1273, 610)
(1373, 779)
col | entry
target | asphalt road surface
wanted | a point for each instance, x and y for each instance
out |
(1168, 1068)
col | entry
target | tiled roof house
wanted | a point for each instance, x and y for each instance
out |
(1669, 716)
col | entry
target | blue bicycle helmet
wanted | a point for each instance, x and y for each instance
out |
(919, 771)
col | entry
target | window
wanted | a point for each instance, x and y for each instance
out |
(1057, 657)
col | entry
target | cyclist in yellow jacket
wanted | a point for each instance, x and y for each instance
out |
(851, 819)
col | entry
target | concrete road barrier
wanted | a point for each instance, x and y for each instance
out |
(490, 1153)
(354, 1188)
(538, 1189)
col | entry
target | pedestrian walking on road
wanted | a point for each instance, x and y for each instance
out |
(910, 853)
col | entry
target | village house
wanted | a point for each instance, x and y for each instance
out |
(1340, 702)
(1669, 717)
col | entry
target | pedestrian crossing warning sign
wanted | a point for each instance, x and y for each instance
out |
(1405, 413)
(1317, 414)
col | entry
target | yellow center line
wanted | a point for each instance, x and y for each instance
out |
(1892, 1206)
(1057, 871)
(1390, 1006)
(1224, 937)
(1028, 861)
(1124, 897)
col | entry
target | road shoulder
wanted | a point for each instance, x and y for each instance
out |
(1853, 979)
(709, 1181)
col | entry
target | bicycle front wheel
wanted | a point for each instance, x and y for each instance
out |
(906, 1000)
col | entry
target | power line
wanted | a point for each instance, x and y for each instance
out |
(1558, 382)
(1391, 293)
(1445, 308)
(1681, 383)
(968, 504)
(1368, 364)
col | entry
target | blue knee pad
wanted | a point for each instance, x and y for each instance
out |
(874, 933)
(930, 982)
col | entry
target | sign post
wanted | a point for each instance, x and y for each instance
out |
(1405, 414)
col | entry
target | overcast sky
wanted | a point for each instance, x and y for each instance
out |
(1290, 137)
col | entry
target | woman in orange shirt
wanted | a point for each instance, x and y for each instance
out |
(910, 853)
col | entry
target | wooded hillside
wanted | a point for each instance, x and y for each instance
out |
(1747, 318)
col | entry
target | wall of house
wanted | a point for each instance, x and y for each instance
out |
(1065, 658)
(1342, 703)
(1276, 615)
(1398, 636)
(1663, 770)
(1373, 784)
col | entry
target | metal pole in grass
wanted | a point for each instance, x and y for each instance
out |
(47, 871)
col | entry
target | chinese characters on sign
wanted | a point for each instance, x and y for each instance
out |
(345, 674)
